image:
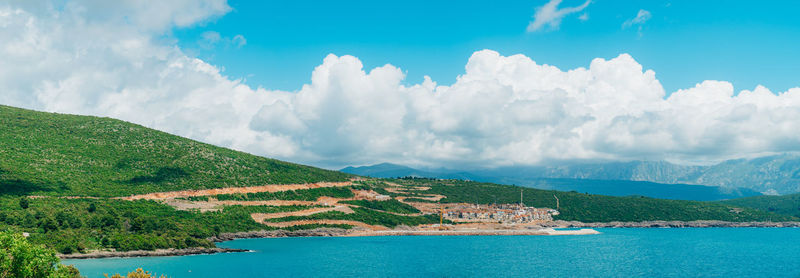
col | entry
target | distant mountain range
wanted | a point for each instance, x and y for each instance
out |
(779, 174)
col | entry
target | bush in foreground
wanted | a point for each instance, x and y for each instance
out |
(139, 273)
(19, 258)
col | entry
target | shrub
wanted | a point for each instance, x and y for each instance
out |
(139, 273)
(19, 258)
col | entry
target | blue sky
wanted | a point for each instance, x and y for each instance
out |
(176, 66)
(684, 42)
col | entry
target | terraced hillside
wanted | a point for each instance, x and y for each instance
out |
(80, 183)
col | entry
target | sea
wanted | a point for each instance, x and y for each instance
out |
(617, 252)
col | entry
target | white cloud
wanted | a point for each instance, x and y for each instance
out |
(502, 110)
(210, 40)
(151, 16)
(238, 40)
(211, 36)
(550, 15)
(641, 17)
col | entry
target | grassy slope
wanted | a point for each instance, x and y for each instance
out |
(593, 208)
(786, 204)
(55, 154)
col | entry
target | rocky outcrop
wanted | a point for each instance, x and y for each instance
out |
(153, 253)
(280, 233)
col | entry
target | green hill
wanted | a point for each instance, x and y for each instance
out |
(56, 154)
(592, 208)
(786, 204)
(59, 174)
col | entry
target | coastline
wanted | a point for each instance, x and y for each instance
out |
(540, 229)
(318, 232)
(670, 224)
(476, 232)
(149, 253)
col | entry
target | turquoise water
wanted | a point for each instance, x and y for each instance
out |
(708, 252)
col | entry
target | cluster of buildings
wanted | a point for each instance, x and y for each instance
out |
(503, 213)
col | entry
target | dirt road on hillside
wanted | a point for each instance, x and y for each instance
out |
(233, 190)
(326, 222)
(260, 217)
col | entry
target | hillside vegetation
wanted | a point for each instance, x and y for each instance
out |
(591, 208)
(56, 154)
(786, 204)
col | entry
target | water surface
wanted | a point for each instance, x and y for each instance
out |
(638, 252)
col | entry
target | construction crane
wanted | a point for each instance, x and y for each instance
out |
(441, 217)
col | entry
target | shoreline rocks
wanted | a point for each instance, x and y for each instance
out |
(152, 253)
(671, 224)
(478, 232)
(318, 232)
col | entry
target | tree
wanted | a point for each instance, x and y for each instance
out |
(139, 273)
(92, 207)
(19, 258)
(24, 202)
(48, 224)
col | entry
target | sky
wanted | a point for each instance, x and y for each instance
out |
(684, 42)
(462, 84)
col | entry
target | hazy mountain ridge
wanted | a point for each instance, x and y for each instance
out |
(653, 171)
(777, 174)
(607, 185)
(770, 174)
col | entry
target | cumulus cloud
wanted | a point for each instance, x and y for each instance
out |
(503, 110)
(550, 15)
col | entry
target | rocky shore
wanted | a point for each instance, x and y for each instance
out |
(318, 232)
(478, 232)
(153, 253)
(671, 224)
